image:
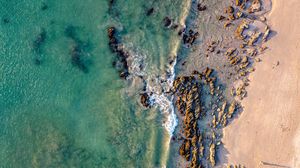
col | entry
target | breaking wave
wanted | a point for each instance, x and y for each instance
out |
(164, 100)
(159, 86)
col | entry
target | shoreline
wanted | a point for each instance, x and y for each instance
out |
(266, 131)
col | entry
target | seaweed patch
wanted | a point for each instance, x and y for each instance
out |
(116, 47)
(80, 50)
(44, 6)
(39, 41)
(38, 44)
(5, 20)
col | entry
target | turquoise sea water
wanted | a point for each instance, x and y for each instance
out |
(62, 103)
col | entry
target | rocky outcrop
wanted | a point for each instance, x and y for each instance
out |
(145, 100)
(120, 62)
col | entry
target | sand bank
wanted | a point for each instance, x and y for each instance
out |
(267, 134)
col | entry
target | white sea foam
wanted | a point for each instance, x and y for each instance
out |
(158, 91)
(158, 86)
(162, 99)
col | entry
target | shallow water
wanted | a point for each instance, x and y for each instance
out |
(62, 103)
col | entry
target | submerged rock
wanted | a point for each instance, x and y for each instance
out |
(167, 21)
(150, 11)
(121, 60)
(78, 61)
(44, 7)
(5, 20)
(39, 41)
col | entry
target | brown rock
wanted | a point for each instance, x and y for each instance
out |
(255, 6)
(145, 100)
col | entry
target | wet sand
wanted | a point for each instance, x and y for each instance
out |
(267, 133)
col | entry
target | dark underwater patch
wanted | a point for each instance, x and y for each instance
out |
(39, 41)
(38, 44)
(44, 6)
(5, 20)
(80, 50)
(78, 54)
(70, 32)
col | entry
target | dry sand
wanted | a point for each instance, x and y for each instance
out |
(268, 130)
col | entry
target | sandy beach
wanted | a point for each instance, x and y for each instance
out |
(267, 133)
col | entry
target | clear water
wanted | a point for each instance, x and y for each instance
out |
(59, 112)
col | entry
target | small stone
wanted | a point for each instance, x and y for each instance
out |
(220, 17)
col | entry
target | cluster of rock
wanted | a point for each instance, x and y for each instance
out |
(38, 44)
(145, 100)
(80, 50)
(242, 14)
(204, 104)
(190, 37)
(199, 145)
(121, 60)
(188, 104)
(236, 166)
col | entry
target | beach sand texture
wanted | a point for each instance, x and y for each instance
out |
(267, 134)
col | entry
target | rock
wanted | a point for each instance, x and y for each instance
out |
(194, 141)
(111, 3)
(230, 51)
(182, 149)
(244, 65)
(255, 6)
(231, 16)
(254, 38)
(227, 24)
(201, 7)
(124, 74)
(208, 72)
(243, 45)
(242, 73)
(121, 61)
(233, 60)
(231, 109)
(212, 87)
(167, 22)
(220, 17)
(194, 163)
(244, 59)
(239, 14)
(145, 100)
(187, 150)
(252, 52)
(221, 112)
(44, 7)
(238, 2)
(266, 34)
(262, 48)
(214, 122)
(240, 29)
(212, 152)
(262, 18)
(190, 37)
(257, 59)
(224, 120)
(150, 11)
(229, 9)
(251, 70)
